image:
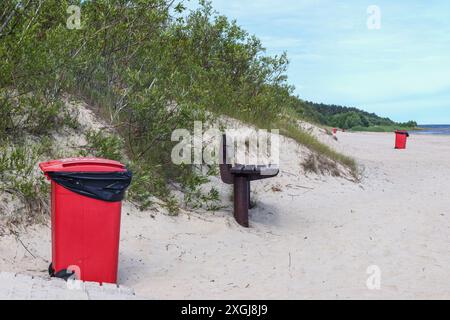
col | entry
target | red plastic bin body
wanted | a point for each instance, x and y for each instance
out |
(400, 139)
(85, 231)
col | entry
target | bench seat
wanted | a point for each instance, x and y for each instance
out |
(257, 170)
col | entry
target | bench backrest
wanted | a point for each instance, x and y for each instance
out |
(225, 168)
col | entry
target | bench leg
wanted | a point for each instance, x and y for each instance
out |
(241, 198)
(248, 187)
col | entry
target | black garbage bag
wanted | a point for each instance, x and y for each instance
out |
(106, 186)
(403, 132)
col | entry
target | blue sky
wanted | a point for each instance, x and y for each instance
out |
(401, 70)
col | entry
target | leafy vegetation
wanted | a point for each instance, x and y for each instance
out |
(26, 123)
(147, 67)
(17, 181)
(103, 145)
(348, 118)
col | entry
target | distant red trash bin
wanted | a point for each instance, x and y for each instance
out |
(86, 195)
(334, 130)
(401, 137)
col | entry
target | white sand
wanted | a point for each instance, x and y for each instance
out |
(314, 239)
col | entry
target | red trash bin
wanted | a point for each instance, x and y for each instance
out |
(334, 130)
(400, 139)
(86, 196)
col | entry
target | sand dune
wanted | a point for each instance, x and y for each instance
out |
(313, 239)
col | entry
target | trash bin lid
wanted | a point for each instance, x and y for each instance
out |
(82, 165)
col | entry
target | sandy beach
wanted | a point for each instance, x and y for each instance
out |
(311, 236)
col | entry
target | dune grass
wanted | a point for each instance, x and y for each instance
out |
(309, 141)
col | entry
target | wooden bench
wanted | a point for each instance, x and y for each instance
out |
(240, 176)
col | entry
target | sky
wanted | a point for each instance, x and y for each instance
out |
(400, 70)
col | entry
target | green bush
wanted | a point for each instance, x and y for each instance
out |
(17, 178)
(108, 146)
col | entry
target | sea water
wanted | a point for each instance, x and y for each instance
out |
(433, 129)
